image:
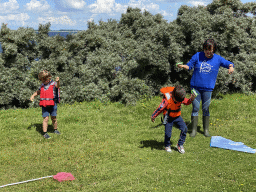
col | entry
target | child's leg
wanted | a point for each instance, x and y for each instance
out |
(45, 123)
(168, 134)
(183, 128)
(54, 122)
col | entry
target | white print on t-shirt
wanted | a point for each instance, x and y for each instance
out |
(205, 67)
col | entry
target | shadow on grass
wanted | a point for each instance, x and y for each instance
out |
(159, 125)
(39, 128)
(153, 144)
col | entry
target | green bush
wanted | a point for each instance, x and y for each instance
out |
(127, 60)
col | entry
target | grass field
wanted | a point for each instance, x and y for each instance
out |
(112, 147)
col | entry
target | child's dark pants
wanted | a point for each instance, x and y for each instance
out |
(168, 130)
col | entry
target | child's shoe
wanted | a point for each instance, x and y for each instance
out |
(56, 132)
(168, 149)
(181, 149)
(46, 136)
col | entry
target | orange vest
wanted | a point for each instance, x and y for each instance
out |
(46, 96)
(174, 109)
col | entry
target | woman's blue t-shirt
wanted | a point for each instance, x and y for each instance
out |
(205, 70)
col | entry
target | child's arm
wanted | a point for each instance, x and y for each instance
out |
(58, 82)
(161, 107)
(189, 101)
(35, 94)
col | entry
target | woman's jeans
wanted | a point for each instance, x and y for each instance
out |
(206, 100)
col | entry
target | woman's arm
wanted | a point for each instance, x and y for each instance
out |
(184, 66)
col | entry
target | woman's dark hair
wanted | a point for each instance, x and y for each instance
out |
(179, 93)
(209, 43)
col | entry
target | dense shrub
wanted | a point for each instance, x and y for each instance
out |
(124, 61)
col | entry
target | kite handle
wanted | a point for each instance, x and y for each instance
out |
(181, 63)
(193, 91)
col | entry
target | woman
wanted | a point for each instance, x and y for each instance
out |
(206, 66)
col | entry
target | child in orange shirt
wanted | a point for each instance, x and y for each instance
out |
(171, 106)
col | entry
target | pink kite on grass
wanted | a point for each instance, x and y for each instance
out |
(62, 176)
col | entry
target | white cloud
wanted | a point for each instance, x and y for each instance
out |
(102, 6)
(71, 4)
(9, 7)
(35, 5)
(91, 18)
(196, 3)
(181, 1)
(63, 20)
(151, 7)
(144, 5)
(20, 18)
(120, 8)
(107, 6)
(165, 14)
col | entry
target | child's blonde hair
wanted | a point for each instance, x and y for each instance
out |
(44, 74)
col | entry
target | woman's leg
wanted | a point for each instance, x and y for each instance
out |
(194, 115)
(206, 101)
(196, 104)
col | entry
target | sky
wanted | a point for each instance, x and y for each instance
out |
(74, 14)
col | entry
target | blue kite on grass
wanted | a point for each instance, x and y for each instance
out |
(221, 142)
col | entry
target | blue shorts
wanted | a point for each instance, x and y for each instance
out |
(50, 110)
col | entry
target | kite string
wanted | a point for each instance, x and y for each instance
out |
(25, 181)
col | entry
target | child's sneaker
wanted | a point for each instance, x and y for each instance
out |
(181, 149)
(46, 136)
(168, 149)
(57, 132)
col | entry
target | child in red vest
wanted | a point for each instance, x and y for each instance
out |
(49, 97)
(171, 107)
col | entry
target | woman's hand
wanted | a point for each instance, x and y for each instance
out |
(230, 70)
(183, 66)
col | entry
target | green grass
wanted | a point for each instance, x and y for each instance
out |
(117, 148)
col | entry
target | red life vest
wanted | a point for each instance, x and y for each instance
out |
(174, 109)
(47, 96)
